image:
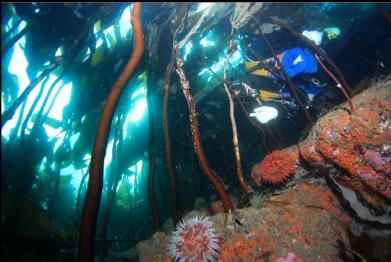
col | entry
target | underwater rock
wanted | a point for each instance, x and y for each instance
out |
(277, 166)
(215, 207)
(305, 220)
(290, 258)
(154, 249)
(358, 145)
(371, 242)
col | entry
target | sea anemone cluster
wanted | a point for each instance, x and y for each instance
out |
(194, 240)
(276, 167)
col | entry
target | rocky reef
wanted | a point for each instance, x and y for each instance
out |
(305, 221)
(358, 147)
(355, 150)
(343, 213)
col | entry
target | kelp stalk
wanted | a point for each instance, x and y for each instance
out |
(336, 81)
(196, 134)
(95, 183)
(14, 27)
(235, 138)
(7, 115)
(32, 108)
(245, 111)
(167, 86)
(41, 116)
(152, 161)
(166, 126)
(15, 39)
(114, 176)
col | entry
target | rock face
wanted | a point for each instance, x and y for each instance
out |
(358, 145)
(305, 221)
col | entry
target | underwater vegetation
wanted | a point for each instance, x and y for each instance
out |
(196, 131)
